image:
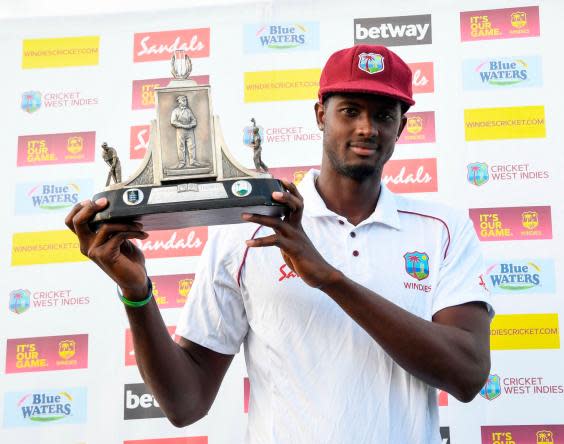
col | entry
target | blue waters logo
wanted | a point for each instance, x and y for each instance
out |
(281, 36)
(502, 72)
(521, 276)
(43, 407)
(47, 197)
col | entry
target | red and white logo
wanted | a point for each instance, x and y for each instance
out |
(153, 46)
(174, 243)
(423, 77)
(139, 141)
(411, 175)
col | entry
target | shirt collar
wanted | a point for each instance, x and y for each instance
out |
(386, 211)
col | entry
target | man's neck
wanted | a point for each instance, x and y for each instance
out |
(354, 200)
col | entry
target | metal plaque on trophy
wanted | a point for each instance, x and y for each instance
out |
(188, 176)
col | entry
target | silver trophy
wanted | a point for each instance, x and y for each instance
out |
(188, 176)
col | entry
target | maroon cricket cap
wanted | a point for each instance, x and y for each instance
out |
(367, 69)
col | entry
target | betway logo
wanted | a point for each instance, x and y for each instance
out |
(396, 31)
(139, 403)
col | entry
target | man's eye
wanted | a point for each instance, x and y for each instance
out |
(350, 111)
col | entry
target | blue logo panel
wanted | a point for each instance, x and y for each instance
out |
(502, 73)
(45, 407)
(281, 36)
(51, 197)
(521, 276)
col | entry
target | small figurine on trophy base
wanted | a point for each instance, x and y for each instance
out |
(256, 145)
(188, 176)
(111, 158)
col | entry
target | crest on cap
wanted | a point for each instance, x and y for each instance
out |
(370, 62)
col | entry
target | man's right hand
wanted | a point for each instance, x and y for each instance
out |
(110, 248)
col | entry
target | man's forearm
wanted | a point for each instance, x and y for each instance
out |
(443, 356)
(175, 379)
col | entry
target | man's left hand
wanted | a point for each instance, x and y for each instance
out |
(296, 247)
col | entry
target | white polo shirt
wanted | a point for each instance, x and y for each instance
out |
(315, 375)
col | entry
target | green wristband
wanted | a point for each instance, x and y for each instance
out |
(137, 304)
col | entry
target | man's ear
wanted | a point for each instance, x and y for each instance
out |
(402, 125)
(320, 115)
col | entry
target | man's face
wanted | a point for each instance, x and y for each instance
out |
(182, 102)
(359, 132)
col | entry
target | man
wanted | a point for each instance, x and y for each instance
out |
(110, 156)
(184, 121)
(352, 308)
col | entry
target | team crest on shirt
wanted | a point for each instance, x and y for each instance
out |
(417, 264)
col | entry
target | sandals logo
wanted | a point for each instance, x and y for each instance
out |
(45, 407)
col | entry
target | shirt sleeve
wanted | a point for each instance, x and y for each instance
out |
(461, 274)
(214, 314)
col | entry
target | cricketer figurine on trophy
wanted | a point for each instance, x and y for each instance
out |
(188, 176)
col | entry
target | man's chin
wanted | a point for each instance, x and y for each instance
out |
(358, 172)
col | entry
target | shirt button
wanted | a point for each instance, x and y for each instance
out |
(341, 222)
(353, 234)
(355, 253)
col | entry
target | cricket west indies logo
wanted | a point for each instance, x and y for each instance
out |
(411, 175)
(139, 141)
(394, 31)
(525, 331)
(139, 403)
(502, 72)
(512, 223)
(33, 100)
(153, 46)
(500, 23)
(480, 173)
(47, 353)
(174, 243)
(48, 149)
(45, 407)
(513, 434)
(60, 52)
(43, 198)
(370, 62)
(183, 440)
(518, 122)
(143, 91)
(130, 351)
(283, 134)
(521, 276)
(289, 84)
(423, 77)
(45, 247)
(265, 38)
(420, 128)
(23, 299)
(497, 386)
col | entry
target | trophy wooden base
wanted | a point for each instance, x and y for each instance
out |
(191, 204)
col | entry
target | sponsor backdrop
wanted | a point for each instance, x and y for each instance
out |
(483, 137)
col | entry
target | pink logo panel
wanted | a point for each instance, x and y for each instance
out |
(420, 128)
(423, 77)
(411, 175)
(512, 223)
(496, 24)
(48, 149)
(174, 243)
(47, 353)
(153, 46)
(143, 91)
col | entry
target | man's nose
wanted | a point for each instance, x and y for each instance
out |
(366, 126)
